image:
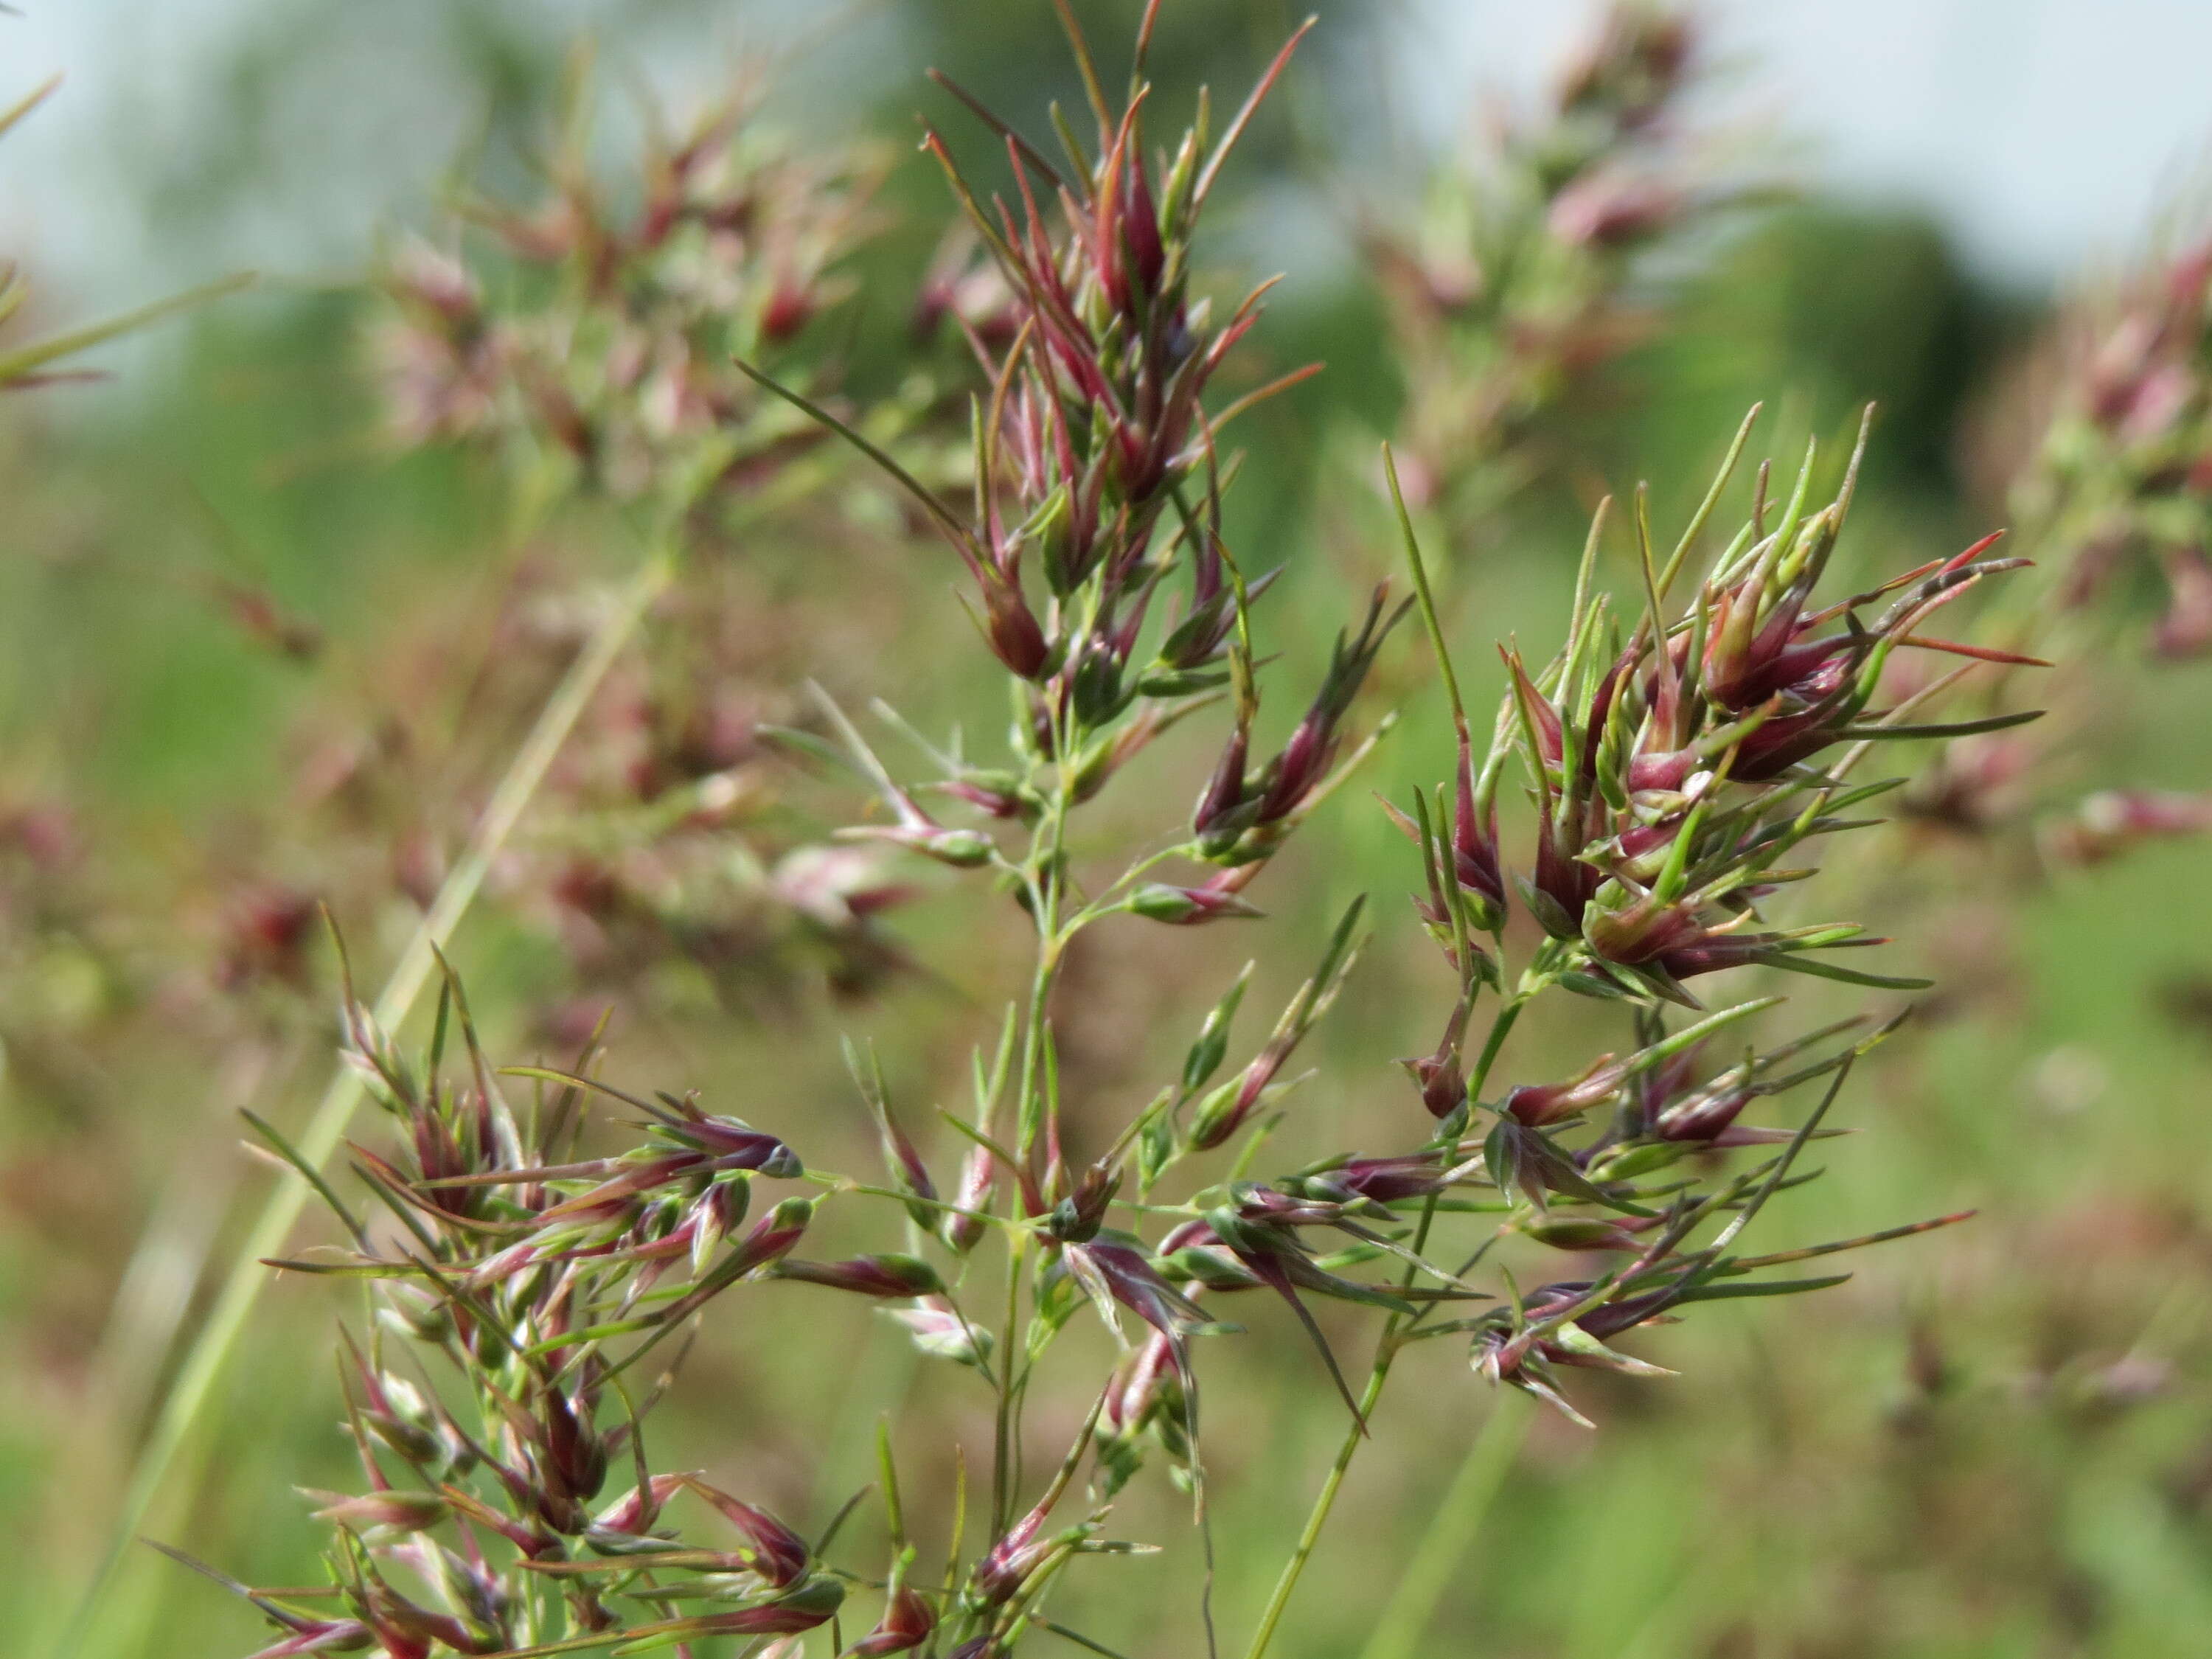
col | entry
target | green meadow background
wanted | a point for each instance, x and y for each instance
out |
(1997, 1441)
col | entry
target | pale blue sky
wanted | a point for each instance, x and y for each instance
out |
(2045, 133)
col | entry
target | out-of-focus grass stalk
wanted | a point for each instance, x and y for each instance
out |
(155, 1293)
(1671, 1626)
(876, 1390)
(211, 1348)
(1459, 1517)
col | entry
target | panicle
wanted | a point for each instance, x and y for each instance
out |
(2117, 483)
(1101, 578)
(598, 322)
(1673, 757)
(1673, 769)
(1540, 260)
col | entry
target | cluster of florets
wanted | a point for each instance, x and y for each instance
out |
(2116, 502)
(1096, 423)
(1671, 768)
(599, 323)
(1672, 773)
(2124, 478)
(521, 1265)
(1517, 282)
(600, 326)
(1098, 479)
(669, 855)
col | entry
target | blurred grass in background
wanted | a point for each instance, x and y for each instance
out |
(1996, 1442)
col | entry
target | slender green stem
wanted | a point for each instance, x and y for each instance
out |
(1500, 1028)
(1310, 1536)
(1031, 1100)
(1047, 889)
(1004, 1427)
(1428, 603)
(1104, 904)
(1386, 1353)
(213, 1347)
(1034, 1109)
